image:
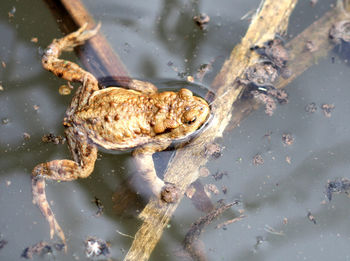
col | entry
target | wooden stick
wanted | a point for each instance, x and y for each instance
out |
(272, 18)
(97, 55)
(317, 35)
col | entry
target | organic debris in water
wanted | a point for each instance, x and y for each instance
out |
(96, 247)
(311, 217)
(34, 39)
(42, 248)
(26, 136)
(203, 70)
(327, 109)
(340, 32)
(65, 89)
(311, 107)
(202, 20)
(258, 160)
(11, 14)
(211, 188)
(53, 139)
(337, 186)
(2, 243)
(192, 244)
(213, 149)
(199, 198)
(231, 221)
(268, 101)
(5, 121)
(274, 51)
(219, 175)
(99, 205)
(287, 139)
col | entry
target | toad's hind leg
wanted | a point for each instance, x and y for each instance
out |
(84, 156)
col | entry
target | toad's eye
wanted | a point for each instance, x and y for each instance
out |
(192, 120)
(190, 116)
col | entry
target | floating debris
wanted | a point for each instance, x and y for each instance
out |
(288, 160)
(260, 75)
(202, 20)
(3, 64)
(268, 101)
(65, 89)
(273, 231)
(274, 51)
(340, 32)
(313, 2)
(213, 149)
(231, 221)
(339, 185)
(36, 107)
(258, 160)
(259, 241)
(34, 39)
(51, 138)
(219, 175)
(287, 139)
(1, 88)
(99, 205)
(311, 217)
(2, 243)
(311, 107)
(211, 188)
(11, 14)
(190, 191)
(26, 136)
(5, 121)
(280, 95)
(42, 248)
(327, 109)
(190, 78)
(96, 247)
(199, 197)
(203, 70)
(224, 189)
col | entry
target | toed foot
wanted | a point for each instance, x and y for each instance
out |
(169, 193)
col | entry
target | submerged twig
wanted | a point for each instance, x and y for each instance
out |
(231, 221)
(192, 236)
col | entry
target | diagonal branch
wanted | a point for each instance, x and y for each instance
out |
(272, 18)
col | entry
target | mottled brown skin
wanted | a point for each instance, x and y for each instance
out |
(116, 119)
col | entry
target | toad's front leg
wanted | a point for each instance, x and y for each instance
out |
(84, 155)
(144, 161)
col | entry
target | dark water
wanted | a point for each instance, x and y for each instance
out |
(276, 196)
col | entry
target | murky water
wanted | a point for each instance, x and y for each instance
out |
(156, 41)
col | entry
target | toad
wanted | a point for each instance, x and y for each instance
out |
(114, 118)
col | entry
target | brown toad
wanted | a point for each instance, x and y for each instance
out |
(116, 119)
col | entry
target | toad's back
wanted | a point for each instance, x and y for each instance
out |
(116, 118)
